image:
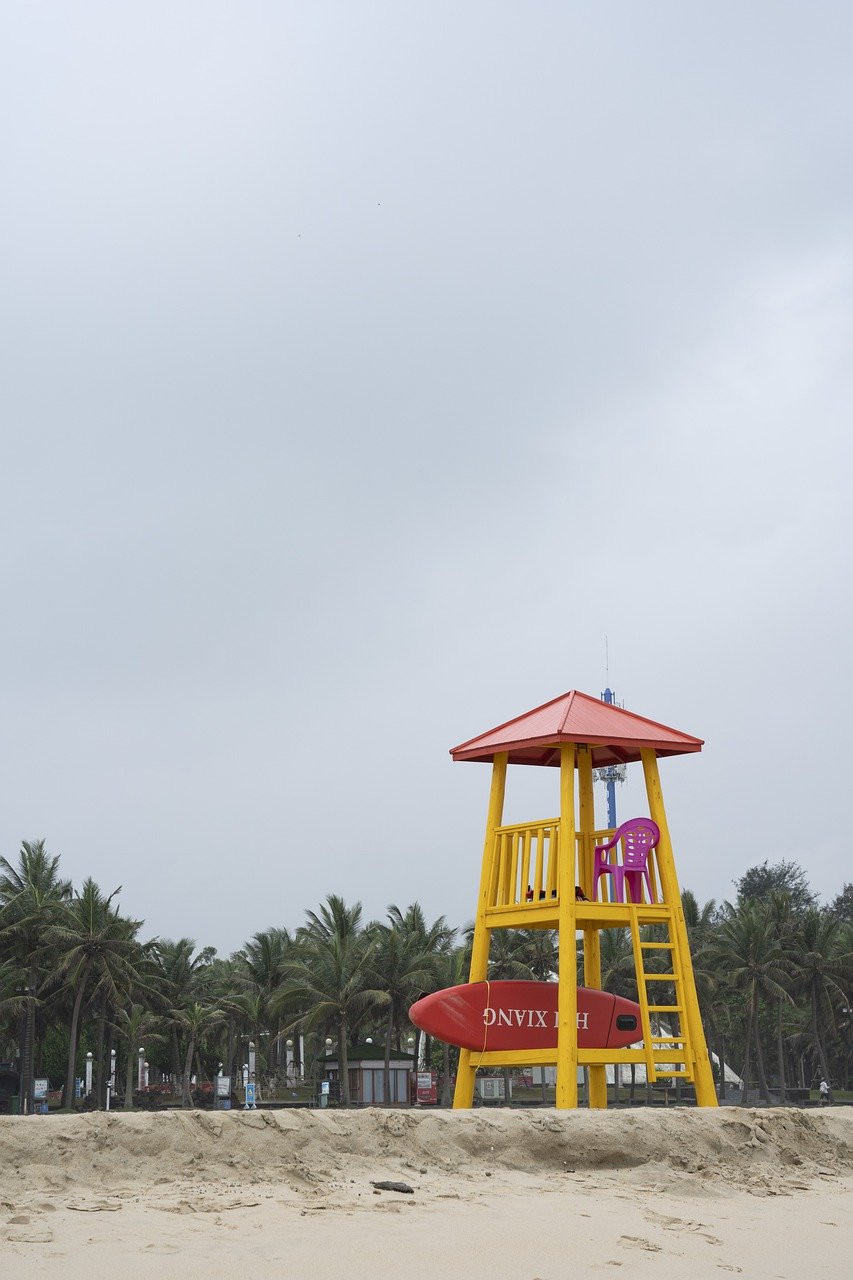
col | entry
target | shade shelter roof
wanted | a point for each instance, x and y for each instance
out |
(616, 736)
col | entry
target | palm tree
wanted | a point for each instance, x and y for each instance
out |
(135, 1023)
(261, 967)
(821, 960)
(329, 979)
(435, 939)
(402, 969)
(701, 923)
(93, 944)
(747, 950)
(451, 971)
(180, 975)
(30, 897)
(197, 1019)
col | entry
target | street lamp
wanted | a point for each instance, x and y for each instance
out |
(140, 1070)
(89, 1058)
(111, 1082)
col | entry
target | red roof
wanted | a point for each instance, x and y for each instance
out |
(615, 735)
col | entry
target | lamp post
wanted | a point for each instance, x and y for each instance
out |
(289, 1061)
(111, 1080)
(89, 1058)
(140, 1069)
(145, 1075)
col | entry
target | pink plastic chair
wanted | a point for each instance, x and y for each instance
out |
(638, 837)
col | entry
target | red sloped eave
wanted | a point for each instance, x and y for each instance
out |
(616, 736)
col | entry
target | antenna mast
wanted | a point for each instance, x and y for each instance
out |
(611, 773)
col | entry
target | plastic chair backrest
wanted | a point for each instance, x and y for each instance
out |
(639, 836)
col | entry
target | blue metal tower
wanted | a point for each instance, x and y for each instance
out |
(611, 773)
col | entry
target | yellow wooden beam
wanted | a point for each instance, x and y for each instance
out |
(591, 936)
(527, 915)
(466, 1073)
(548, 1057)
(703, 1075)
(567, 996)
(516, 1058)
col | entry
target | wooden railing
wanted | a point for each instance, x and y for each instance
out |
(525, 859)
(524, 863)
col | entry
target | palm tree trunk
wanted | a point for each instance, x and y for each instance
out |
(445, 1081)
(343, 1062)
(132, 1068)
(821, 1052)
(29, 1042)
(389, 1031)
(747, 1053)
(100, 1073)
(176, 1055)
(780, 1053)
(72, 1041)
(186, 1095)
(764, 1092)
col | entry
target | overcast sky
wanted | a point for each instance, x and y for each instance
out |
(364, 366)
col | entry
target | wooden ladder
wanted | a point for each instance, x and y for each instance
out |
(666, 1055)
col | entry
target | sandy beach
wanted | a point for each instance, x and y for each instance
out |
(519, 1194)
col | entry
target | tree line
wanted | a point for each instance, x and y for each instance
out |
(774, 971)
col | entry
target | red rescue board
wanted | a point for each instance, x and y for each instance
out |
(487, 1016)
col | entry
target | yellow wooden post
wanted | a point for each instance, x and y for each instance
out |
(703, 1075)
(591, 936)
(567, 999)
(466, 1073)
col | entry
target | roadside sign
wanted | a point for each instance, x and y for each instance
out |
(40, 1088)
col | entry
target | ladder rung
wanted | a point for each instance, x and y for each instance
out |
(665, 1008)
(658, 946)
(667, 1040)
(658, 977)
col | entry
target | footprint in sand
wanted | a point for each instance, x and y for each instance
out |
(29, 1234)
(159, 1248)
(668, 1223)
(93, 1206)
(640, 1242)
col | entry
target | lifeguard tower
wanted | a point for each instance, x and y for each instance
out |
(529, 877)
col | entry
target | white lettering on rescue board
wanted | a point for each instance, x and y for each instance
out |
(527, 1018)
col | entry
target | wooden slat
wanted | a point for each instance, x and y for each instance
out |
(524, 878)
(540, 852)
(514, 839)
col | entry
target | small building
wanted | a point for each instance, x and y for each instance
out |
(366, 1070)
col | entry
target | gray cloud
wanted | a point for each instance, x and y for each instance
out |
(365, 366)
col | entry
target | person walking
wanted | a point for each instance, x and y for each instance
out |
(823, 1090)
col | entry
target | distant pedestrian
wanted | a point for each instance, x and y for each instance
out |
(823, 1090)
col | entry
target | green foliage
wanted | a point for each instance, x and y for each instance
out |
(758, 883)
(774, 973)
